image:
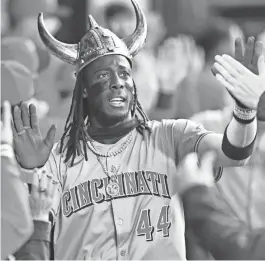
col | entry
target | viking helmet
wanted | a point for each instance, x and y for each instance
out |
(97, 42)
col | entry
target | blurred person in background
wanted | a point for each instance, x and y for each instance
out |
(20, 50)
(240, 191)
(218, 37)
(226, 237)
(25, 226)
(120, 19)
(40, 199)
(23, 16)
(16, 221)
(177, 59)
(64, 86)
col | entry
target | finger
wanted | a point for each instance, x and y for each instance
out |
(25, 115)
(228, 67)
(226, 74)
(17, 120)
(54, 187)
(49, 183)
(7, 115)
(43, 183)
(261, 65)
(230, 88)
(35, 185)
(249, 51)
(214, 70)
(33, 117)
(15, 136)
(235, 64)
(257, 53)
(49, 140)
(239, 49)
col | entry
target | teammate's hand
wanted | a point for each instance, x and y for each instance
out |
(178, 58)
(32, 151)
(41, 196)
(189, 174)
(6, 131)
(241, 82)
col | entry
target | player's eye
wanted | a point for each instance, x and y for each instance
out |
(103, 75)
(125, 74)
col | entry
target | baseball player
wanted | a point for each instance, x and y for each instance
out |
(117, 170)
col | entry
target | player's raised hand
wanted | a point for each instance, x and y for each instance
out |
(189, 174)
(31, 149)
(244, 85)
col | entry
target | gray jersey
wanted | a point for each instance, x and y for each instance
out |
(145, 219)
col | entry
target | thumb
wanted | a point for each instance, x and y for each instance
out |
(261, 65)
(49, 140)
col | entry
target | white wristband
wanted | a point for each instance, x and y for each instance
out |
(244, 114)
(7, 151)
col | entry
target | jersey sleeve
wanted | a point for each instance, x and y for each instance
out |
(185, 135)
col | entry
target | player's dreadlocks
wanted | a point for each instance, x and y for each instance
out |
(77, 120)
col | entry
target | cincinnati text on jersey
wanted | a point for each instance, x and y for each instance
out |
(130, 184)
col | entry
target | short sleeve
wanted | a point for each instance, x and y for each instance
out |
(190, 137)
(184, 135)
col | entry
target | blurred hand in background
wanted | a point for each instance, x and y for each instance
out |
(178, 58)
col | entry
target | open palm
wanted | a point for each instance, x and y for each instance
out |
(31, 149)
(241, 82)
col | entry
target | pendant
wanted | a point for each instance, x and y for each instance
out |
(113, 188)
(113, 169)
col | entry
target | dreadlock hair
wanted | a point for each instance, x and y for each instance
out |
(78, 118)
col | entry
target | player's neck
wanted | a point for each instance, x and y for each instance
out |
(111, 135)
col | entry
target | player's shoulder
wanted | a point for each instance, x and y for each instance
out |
(179, 125)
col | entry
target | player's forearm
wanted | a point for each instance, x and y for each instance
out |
(17, 225)
(241, 135)
(225, 237)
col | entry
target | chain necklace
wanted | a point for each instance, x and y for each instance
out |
(113, 153)
(112, 188)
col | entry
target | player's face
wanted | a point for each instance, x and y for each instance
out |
(109, 87)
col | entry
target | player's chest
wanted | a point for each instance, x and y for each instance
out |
(137, 178)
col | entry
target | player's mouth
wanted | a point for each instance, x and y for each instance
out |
(117, 102)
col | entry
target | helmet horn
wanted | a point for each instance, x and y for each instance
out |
(65, 52)
(137, 40)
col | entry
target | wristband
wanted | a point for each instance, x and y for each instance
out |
(244, 116)
(236, 153)
(7, 151)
